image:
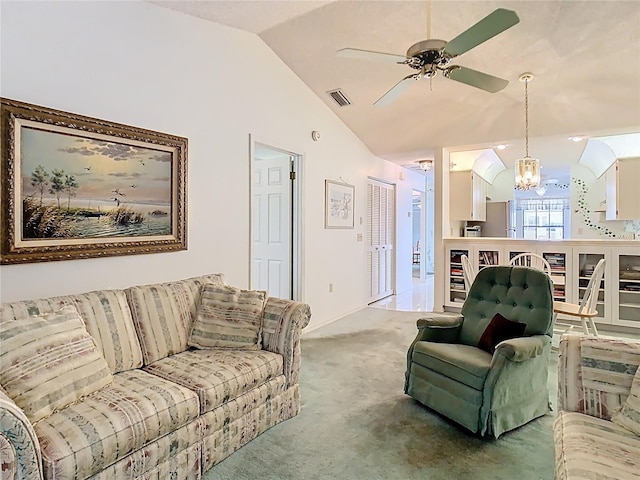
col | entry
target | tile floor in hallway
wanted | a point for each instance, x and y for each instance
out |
(417, 299)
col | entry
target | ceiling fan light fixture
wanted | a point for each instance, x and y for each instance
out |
(426, 165)
(527, 169)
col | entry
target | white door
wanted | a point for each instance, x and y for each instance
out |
(271, 223)
(380, 238)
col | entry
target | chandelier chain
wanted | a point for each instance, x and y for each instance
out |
(526, 117)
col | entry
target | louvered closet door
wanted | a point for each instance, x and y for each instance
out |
(380, 238)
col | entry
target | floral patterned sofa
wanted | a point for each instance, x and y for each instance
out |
(595, 378)
(132, 395)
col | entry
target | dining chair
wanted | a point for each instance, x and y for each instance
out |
(532, 260)
(586, 310)
(468, 272)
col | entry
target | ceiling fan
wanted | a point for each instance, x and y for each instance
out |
(432, 55)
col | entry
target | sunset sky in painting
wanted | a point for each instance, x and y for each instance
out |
(101, 168)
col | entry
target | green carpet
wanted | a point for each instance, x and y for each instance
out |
(356, 423)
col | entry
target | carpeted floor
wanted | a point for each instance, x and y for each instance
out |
(357, 424)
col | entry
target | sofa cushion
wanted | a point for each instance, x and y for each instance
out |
(193, 287)
(162, 318)
(107, 317)
(629, 415)
(137, 408)
(49, 361)
(228, 317)
(218, 376)
(592, 448)
(462, 363)
(28, 308)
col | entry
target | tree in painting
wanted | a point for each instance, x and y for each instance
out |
(57, 184)
(70, 186)
(40, 179)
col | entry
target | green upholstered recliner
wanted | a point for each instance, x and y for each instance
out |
(488, 394)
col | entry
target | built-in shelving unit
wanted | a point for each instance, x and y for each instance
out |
(628, 289)
(457, 293)
(487, 258)
(558, 263)
(586, 264)
(572, 264)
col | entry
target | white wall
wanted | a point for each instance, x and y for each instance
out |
(147, 66)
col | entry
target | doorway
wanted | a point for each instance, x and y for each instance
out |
(275, 224)
(381, 207)
(418, 217)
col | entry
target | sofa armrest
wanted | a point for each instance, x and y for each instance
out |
(522, 348)
(20, 449)
(440, 328)
(595, 373)
(282, 324)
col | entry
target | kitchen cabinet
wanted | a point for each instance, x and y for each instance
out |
(626, 281)
(467, 196)
(621, 189)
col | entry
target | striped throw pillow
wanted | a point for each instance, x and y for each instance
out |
(49, 361)
(162, 318)
(228, 317)
(629, 414)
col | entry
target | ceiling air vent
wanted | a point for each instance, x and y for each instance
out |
(339, 97)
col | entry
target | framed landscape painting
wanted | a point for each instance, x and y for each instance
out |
(339, 204)
(78, 187)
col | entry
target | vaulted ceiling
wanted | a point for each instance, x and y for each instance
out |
(585, 56)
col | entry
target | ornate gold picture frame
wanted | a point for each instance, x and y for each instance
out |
(78, 187)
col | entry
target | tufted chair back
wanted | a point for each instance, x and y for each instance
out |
(521, 294)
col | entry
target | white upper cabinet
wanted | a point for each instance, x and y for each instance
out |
(467, 196)
(622, 183)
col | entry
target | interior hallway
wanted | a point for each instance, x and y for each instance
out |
(417, 299)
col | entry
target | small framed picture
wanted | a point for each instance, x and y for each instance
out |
(339, 205)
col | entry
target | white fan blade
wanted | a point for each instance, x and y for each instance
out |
(496, 22)
(395, 91)
(369, 55)
(476, 79)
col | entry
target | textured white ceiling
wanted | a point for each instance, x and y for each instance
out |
(585, 56)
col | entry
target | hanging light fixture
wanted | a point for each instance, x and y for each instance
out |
(541, 190)
(527, 169)
(425, 165)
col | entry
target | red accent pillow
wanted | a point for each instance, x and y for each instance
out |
(499, 329)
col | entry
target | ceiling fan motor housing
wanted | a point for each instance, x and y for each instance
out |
(428, 53)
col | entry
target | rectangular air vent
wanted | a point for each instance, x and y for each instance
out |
(339, 97)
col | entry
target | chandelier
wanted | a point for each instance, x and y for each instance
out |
(527, 169)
